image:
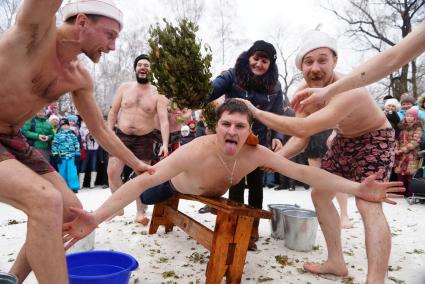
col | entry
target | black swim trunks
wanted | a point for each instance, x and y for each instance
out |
(158, 194)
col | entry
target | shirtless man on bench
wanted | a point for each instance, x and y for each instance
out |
(229, 157)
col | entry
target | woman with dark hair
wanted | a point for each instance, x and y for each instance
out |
(254, 78)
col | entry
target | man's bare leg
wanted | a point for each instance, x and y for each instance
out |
(378, 240)
(27, 191)
(21, 267)
(115, 168)
(342, 200)
(330, 225)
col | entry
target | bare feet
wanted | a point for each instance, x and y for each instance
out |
(142, 220)
(326, 268)
(345, 223)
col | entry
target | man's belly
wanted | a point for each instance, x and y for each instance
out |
(134, 128)
(354, 129)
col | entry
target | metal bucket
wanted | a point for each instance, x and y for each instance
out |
(277, 222)
(300, 229)
(7, 278)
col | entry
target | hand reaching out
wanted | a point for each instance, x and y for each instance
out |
(374, 191)
(78, 228)
(307, 97)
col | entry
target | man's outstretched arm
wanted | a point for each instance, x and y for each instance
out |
(369, 72)
(128, 192)
(369, 189)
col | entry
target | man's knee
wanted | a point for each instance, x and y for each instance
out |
(321, 195)
(115, 167)
(46, 200)
(368, 208)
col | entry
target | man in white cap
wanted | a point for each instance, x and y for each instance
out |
(38, 63)
(364, 144)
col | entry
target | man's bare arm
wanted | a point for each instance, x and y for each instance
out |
(86, 105)
(303, 127)
(165, 170)
(38, 15)
(322, 180)
(115, 107)
(293, 147)
(371, 71)
(161, 108)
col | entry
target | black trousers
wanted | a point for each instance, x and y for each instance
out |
(255, 185)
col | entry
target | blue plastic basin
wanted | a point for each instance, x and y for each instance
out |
(100, 267)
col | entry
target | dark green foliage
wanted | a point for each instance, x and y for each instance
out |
(181, 71)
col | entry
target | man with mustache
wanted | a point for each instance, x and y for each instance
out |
(132, 117)
(364, 144)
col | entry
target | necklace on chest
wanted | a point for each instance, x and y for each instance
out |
(231, 172)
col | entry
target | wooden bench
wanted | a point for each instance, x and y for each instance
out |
(228, 243)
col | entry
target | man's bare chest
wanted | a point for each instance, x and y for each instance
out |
(139, 101)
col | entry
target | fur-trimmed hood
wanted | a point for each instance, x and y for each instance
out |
(247, 80)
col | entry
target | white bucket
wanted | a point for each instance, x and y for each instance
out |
(86, 244)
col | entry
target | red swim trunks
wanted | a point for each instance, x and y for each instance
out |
(16, 147)
(359, 157)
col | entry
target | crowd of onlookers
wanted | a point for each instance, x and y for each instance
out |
(407, 117)
(66, 143)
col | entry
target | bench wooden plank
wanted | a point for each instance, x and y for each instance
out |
(196, 230)
(228, 206)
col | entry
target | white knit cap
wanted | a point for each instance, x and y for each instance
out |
(312, 40)
(53, 116)
(105, 8)
(393, 102)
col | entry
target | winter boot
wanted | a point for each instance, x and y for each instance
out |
(81, 179)
(93, 179)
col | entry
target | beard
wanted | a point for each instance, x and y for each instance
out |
(142, 80)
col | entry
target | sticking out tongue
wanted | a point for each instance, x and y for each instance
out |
(230, 147)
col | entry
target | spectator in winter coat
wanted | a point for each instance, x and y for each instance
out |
(255, 77)
(39, 133)
(407, 158)
(65, 148)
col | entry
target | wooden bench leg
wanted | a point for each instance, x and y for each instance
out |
(242, 236)
(158, 212)
(159, 218)
(223, 237)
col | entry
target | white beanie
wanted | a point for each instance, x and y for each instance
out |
(312, 40)
(105, 8)
(53, 116)
(185, 130)
(393, 102)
